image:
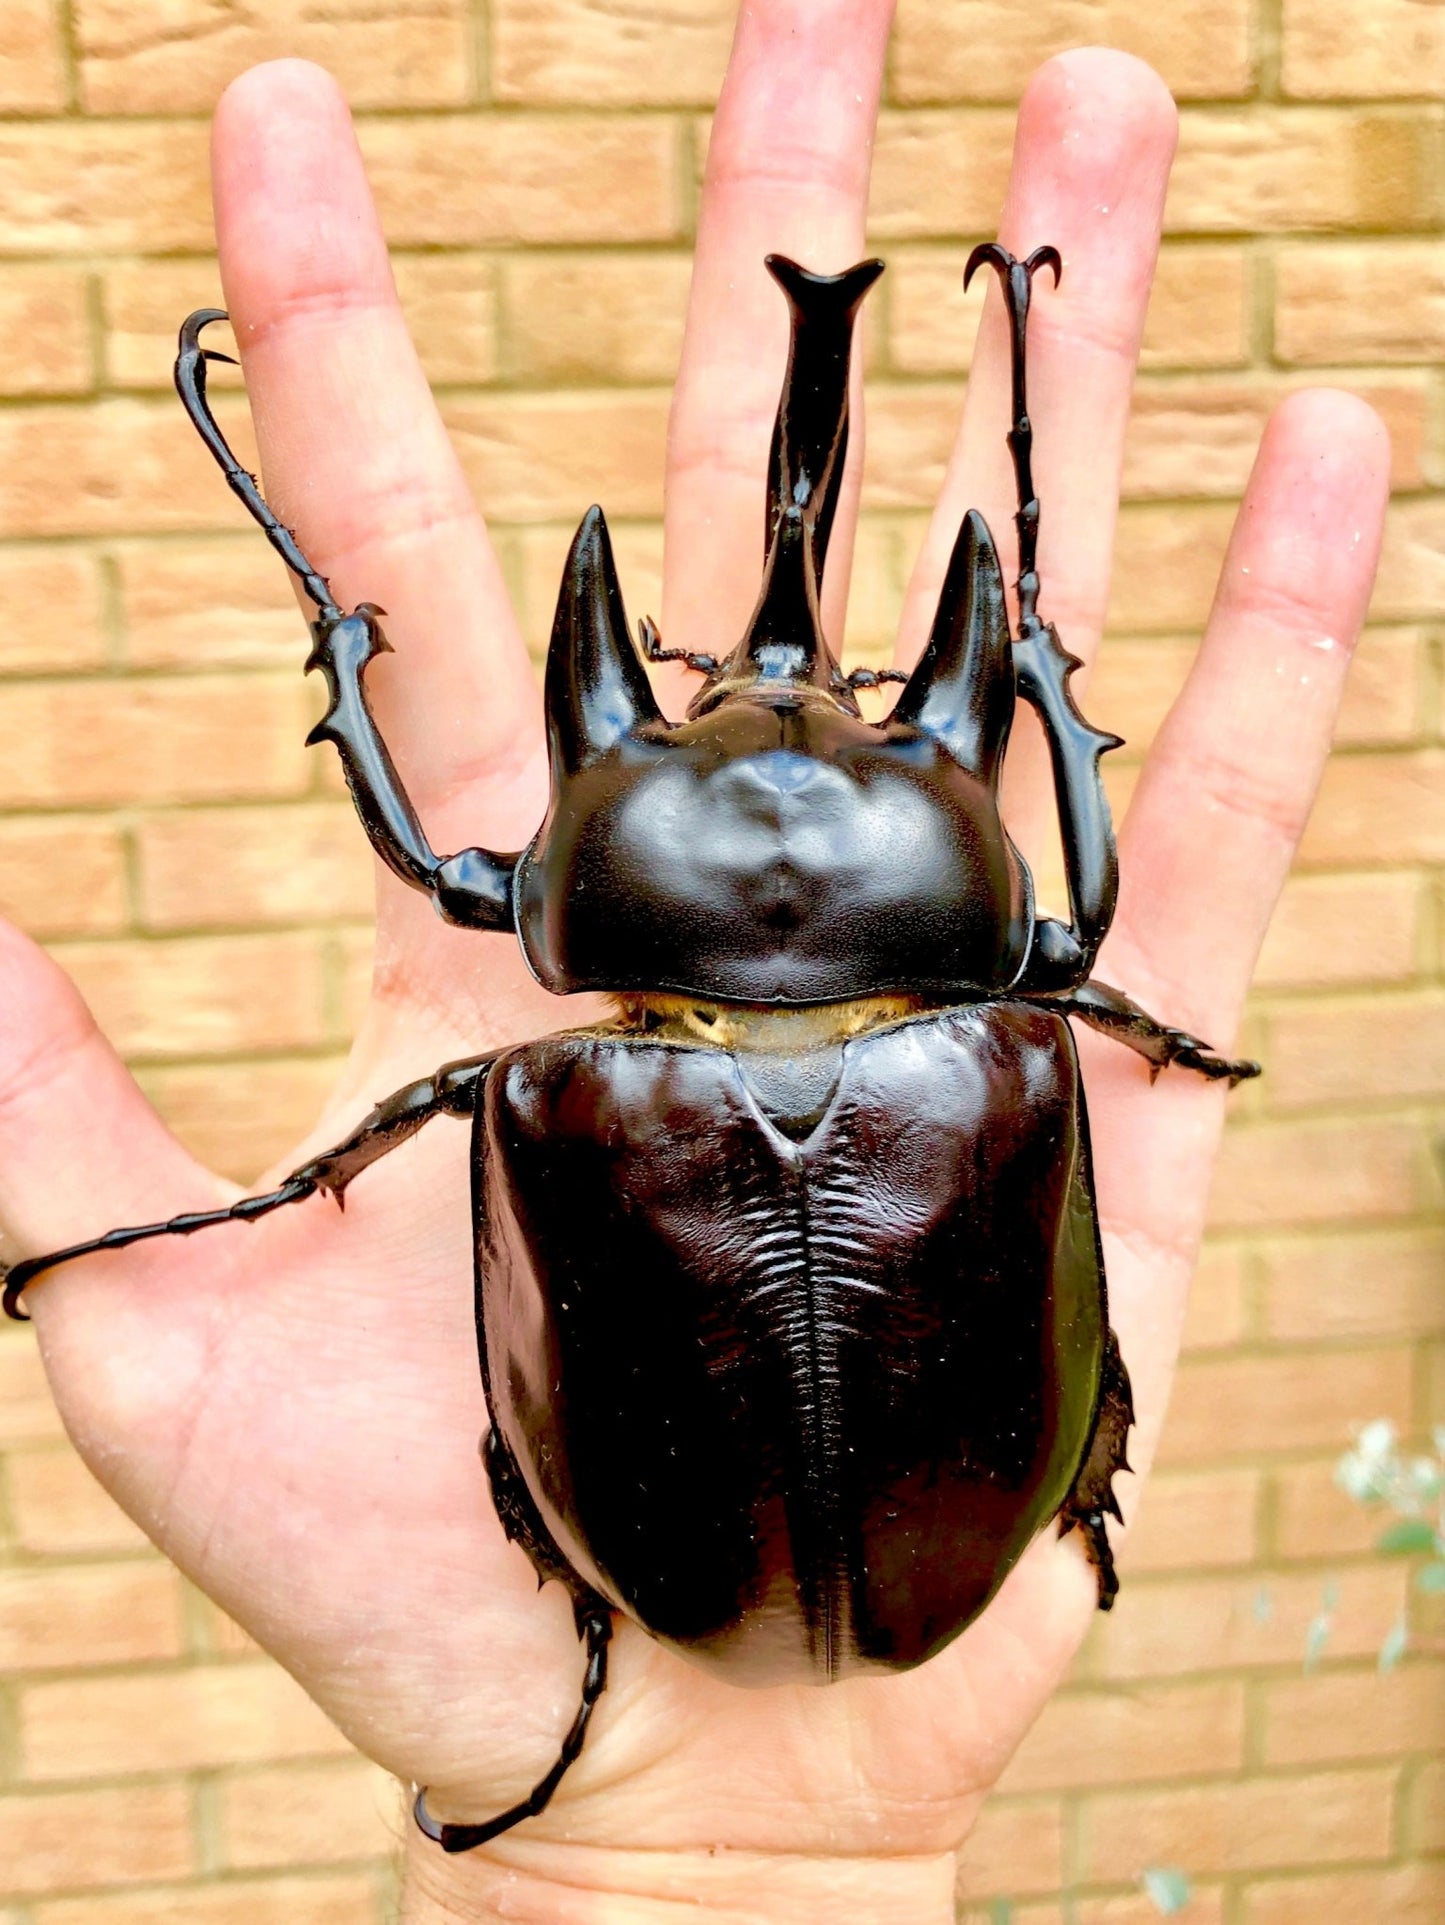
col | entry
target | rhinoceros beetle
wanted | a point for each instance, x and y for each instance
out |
(789, 1289)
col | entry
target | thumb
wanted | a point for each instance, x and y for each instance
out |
(81, 1149)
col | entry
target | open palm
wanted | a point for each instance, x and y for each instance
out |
(292, 1409)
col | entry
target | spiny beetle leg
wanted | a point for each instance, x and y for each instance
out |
(1114, 1014)
(594, 1627)
(1092, 1498)
(450, 1091)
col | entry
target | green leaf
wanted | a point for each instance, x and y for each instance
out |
(1397, 1641)
(1316, 1638)
(1001, 1912)
(1169, 1888)
(1411, 1537)
(1431, 1577)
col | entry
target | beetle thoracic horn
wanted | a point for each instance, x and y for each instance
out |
(962, 689)
(597, 689)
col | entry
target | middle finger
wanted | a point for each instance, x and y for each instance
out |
(1095, 141)
(787, 173)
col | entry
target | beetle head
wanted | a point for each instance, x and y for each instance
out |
(774, 847)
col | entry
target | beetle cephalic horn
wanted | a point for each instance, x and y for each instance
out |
(784, 646)
(597, 689)
(962, 691)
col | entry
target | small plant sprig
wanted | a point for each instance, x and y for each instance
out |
(1377, 1473)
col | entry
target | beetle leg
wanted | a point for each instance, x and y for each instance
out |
(594, 1626)
(451, 1091)
(649, 640)
(1092, 1498)
(472, 888)
(1063, 953)
(1114, 1014)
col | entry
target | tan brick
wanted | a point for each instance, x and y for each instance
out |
(911, 432)
(308, 1815)
(1246, 1406)
(1217, 1313)
(534, 559)
(1015, 1848)
(989, 50)
(1366, 1050)
(1166, 565)
(459, 180)
(63, 876)
(1379, 809)
(1333, 930)
(1195, 1521)
(130, 467)
(1425, 1807)
(223, 603)
(83, 186)
(27, 1409)
(1276, 168)
(1206, 1907)
(1390, 48)
(1386, 1284)
(162, 739)
(143, 304)
(938, 171)
(1198, 312)
(241, 1118)
(1170, 1627)
(1116, 1737)
(1322, 1819)
(337, 1900)
(202, 995)
(450, 304)
(201, 1719)
(1411, 581)
(61, 1511)
(44, 330)
(1317, 1172)
(1340, 303)
(596, 54)
(1412, 1895)
(81, 1615)
(1135, 683)
(1199, 436)
(203, 868)
(67, 1840)
(53, 613)
(534, 457)
(32, 65)
(1333, 1717)
(595, 317)
(401, 53)
(1313, 1518)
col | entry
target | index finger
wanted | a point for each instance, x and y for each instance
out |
(355, 455)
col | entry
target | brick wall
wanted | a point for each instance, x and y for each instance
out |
(155, 1768)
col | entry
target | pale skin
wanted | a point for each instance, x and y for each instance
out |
(292, 1409)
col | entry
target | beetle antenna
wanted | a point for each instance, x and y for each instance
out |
(649, 640)
(1016, 279)
(191, 359)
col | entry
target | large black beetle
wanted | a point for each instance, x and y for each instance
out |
(790, 1298)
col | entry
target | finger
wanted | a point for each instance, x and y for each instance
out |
(1095, 140)
(80, 1147)
(1227, 790)
(787, 173)
(354, 452)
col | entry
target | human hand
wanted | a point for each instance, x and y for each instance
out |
(292, 1409)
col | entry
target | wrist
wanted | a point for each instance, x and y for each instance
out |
(549, 1883)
